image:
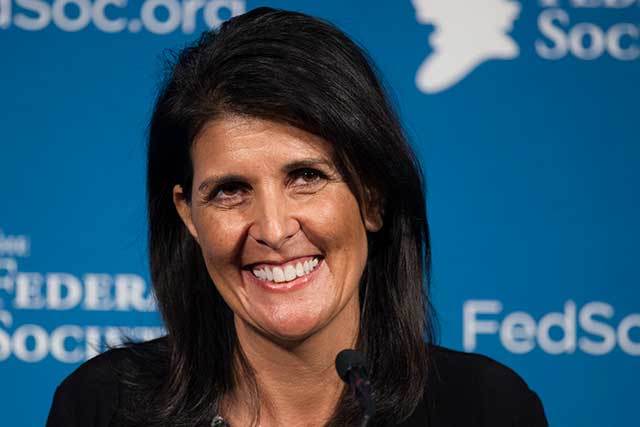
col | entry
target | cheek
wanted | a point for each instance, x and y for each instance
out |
(219, 238)
(334, 220)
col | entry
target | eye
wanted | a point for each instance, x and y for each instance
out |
(228, 194)
(308, 179)
(309, 175)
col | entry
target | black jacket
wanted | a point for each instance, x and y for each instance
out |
(464, 389)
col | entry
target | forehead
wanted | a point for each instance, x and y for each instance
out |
(235, 139)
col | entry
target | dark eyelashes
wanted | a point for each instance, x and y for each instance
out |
(227, 186)
(313, 175)
(316, 172)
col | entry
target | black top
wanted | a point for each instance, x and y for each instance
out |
(464, 389)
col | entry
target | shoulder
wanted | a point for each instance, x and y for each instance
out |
(457, 367)
(92, 394)
(89, 394)
(491, 393)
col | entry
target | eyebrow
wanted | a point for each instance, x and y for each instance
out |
(214, 181)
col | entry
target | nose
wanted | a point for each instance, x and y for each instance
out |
(274, 223)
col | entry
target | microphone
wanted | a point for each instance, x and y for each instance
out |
(352, 369)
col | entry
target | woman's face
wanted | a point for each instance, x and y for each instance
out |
(282, 235)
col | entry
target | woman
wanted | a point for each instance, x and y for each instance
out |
(287, 222)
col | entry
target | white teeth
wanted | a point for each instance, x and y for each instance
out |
(278, 274)
(288, 273)
(299, 270)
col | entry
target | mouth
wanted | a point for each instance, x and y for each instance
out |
(286, 272)
(286, 276)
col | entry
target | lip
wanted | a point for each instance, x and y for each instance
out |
(282, 287)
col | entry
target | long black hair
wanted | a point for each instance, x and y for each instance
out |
(295, 69)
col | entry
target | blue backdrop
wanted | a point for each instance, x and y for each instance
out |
(524, 114)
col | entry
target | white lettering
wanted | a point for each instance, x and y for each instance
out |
(68, 343)
(5, 18)
(473, 326)
(190, 9)
(92, 341)
(56, 283)
(37, 335)
(11, 245)
(585, 40)
(213, 8)
(29, 291)
(600, 329)
(130, 290)
(614, 43)
(156, 16)
(624, 337)
(559, 46)
(113, 336)
(64, 291)
(5, 345)
(613, 4)
(39, 8)
(10, 267)
(586, 3)
(566, 322)
(619, 3)
(517, 332)
(6, 318)
(105, 24)
(67, 23)
(58, 338)
(98, 292)
(153, 24)
(578, 41)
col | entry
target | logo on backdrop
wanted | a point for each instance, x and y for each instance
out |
(24, 292)
(467, 34)
(589, 329)
(116, 16)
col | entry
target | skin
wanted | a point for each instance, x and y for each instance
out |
(264, 192)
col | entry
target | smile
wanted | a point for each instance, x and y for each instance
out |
(286, 272)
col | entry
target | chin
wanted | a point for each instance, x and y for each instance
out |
(292, 326)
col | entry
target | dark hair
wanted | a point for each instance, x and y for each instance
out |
(295, 69)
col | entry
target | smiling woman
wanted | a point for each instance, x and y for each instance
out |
(287, 222)
(270, 201)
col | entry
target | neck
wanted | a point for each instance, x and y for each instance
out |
(296, 380)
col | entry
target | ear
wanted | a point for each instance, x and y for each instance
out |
(373, 211)
(183, 206)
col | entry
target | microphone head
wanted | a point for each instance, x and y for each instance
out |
(347, 360)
